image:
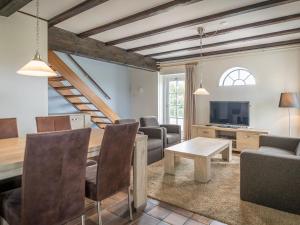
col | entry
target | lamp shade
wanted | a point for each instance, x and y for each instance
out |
(201, 91)
(37, 67)
(289, 100)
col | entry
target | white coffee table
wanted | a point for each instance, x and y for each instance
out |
(201, 150)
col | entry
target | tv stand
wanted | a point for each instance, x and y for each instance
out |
(242, 138)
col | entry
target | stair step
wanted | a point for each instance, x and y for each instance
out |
(89, 110)
(99, 117)
(56, 79)
(64, 88)
(73, 96)
(103, 123)
(82, 103)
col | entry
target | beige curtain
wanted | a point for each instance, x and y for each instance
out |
(189, 101)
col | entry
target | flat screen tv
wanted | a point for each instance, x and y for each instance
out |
(229, 113)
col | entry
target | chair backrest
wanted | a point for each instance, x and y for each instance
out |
(8, 128)
(53, 123)
(53, 182)
(114, 161)
(149, 121)
(125, 121)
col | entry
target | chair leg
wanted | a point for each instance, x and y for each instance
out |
(83, 219)
(129, 204)
(99, 213)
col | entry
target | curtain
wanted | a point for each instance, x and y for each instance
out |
(189, 100)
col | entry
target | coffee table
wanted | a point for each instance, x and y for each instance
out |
(201, 150)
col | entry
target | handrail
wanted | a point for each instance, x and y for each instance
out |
(89, 77)
(83, 88)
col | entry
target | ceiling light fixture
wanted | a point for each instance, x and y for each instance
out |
(201, 90)
(37, 67)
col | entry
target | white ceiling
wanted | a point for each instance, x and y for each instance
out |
(116, 9)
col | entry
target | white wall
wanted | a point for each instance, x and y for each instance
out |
(275, 71)
(21, 96)
(144, 93)
(129, 88)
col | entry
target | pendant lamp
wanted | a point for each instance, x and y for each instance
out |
(37, 67)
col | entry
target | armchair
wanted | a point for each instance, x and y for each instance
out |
(155, 143)
(171, 132)
(270, 176)
(155, 140)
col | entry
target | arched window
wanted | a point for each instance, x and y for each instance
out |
(237, 76)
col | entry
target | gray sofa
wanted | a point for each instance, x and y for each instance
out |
(271, 175)
(172, 132)
(155, 140)
(154, 143)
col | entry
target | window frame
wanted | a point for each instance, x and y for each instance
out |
(166, 105)
(228, 75)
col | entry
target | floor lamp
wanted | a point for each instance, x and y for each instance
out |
(289, 100)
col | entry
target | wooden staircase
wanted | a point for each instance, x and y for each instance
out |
(76, 92)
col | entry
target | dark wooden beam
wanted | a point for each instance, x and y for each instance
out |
(33, 16)
(251, 38)
(205, 19)
(68, 42)
(233, 50)
(3, 3)
(220, 32)
(8, 7)
(138, 16)
(86, 5)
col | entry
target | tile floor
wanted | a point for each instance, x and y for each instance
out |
(115, 212)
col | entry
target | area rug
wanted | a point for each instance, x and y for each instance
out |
(219, 199)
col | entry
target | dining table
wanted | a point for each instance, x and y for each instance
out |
(12, 156)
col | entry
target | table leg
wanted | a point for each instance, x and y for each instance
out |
(202, 169)
(227, 153)
(169, 162)
(140, 174)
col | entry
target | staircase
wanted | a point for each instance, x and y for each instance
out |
(76, 92)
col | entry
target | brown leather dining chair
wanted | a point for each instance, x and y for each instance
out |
(8, 128)
(53, 181)
(56, 123)
(112, 172)
(53, 123)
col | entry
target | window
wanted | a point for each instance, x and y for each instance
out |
(237, 76)
(176, 101)
(173, 99)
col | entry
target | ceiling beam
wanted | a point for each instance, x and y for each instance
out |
(138, 16)
(220, 32)
(86, 5)
(233, 50)
(8, 7)
(68, 42)
(205, 19)
(234, 41)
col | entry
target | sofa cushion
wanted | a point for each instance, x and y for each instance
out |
(275, 151)
(298, 150)
(154, 143)
(173, 138)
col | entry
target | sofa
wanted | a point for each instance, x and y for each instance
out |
(271, 175)
(171, 132)
(154, 142)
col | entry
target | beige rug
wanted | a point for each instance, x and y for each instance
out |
(219, 199)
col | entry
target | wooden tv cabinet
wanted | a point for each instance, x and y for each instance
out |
(242, 138)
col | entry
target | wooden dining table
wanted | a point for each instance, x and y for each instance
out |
(12, 156)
